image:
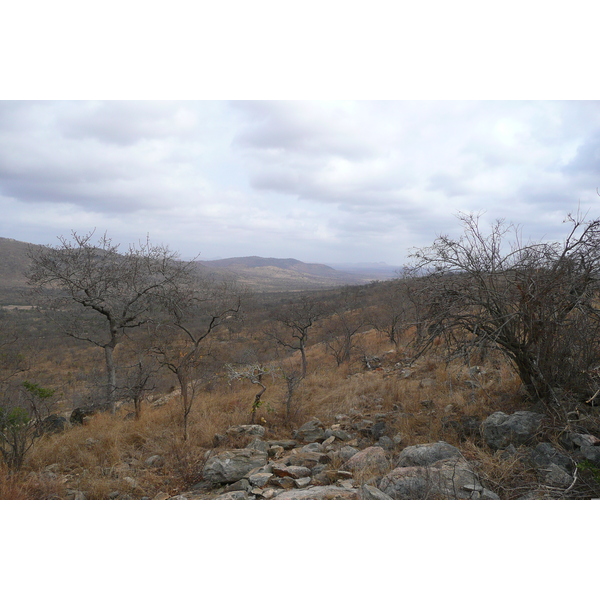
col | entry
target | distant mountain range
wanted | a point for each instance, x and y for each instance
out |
(258, 273)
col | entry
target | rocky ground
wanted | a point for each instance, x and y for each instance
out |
(359, 458)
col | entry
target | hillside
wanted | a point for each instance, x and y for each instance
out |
(260, 274)
(278, 274)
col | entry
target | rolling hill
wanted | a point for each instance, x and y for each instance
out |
(258, 273)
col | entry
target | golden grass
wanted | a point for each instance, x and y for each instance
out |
(107, 457)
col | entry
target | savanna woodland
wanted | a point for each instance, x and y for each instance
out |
(474, 374)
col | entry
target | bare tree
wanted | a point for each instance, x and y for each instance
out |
(253, 373)
(536, 303)
(190, 316)
(97, 294)
(346, 319)
(292, 324)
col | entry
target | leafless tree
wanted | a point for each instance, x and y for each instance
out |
(253, 373)
(189, 317)
(536, 303)
(346, 318)
(97, 293)
(292, 324)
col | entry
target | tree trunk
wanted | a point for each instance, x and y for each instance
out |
(111, 375)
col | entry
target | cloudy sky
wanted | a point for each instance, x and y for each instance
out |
(319, 181)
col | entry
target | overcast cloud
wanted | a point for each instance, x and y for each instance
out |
(317, 181)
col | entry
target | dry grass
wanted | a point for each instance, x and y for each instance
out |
(107, 457)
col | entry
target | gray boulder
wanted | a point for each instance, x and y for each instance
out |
(423, 455)
(500, 430)
(232, 465)
(312, 431)
(372, 457)
(54, 424)
(257, 430)
(326, 492)
(368, 492)
(446, 479)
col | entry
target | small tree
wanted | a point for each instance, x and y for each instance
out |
(21, 415)
(96, 293)
(293, 322)
(180, 335)
(536, 303)
(346, 319)
(253, 373)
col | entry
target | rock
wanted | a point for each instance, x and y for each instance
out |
(54, 424)
(544, 455)
(283, 482)
(378, 429)
(161, 496)
(113, 495)
(82, 414)
(130, 481)
(276, 452)
(260, 479)
(232, 465)
(328, 492)
(385, 442)
(339, 434)
(312, 431)
(242, 485)
(258, 444)
(239, 495)
(346, 452)
(447, 479)
(156, 460)
(303, 482)
(307, 459)
(372, 457)
(556, 476)
(500, 430)
(422, 455)
(313, 447)
(584, 446)
(293, 471)
(285, 444)
(257, 430)
(368, 492)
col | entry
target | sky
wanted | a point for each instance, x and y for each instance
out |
(320, 181)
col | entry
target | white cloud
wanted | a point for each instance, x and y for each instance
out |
(318, 181)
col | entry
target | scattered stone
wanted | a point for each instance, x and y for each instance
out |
(276, 452)
(544, 455)
(285, 444)
(257, 430)
(346, 452)
(232, 465)
(313, 447)
(445, 479)
(260, 480)
(82, 414)
(385, 442)
(328, 492)
(239, 495)
(113, 495)
(161, 496)
(500, 430)
(303, 482)
(156, 460)
(372, 457)
(422, 455)
(307, 459)
(131, 481)
(259, 445)
(294, 471)
(312, 431)
(283, 482)
(368, 492)
(339, 434)
(242, 485)
(54, 424)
